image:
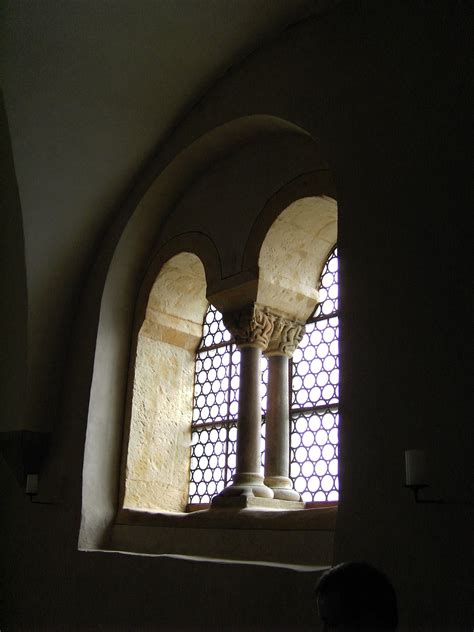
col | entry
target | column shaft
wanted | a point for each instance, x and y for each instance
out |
(249, 419)
(277, 434)
(277, 438)
(252, 329)
(248, 478)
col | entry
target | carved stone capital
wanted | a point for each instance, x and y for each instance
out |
(286, 336)
(250, 326)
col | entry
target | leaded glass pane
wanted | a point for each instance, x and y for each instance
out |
(314, 455)
(314, 398)
(316, 365)
(216, 385)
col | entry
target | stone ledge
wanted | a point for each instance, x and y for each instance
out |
(250, 517)
(307, 548)
(246, 501)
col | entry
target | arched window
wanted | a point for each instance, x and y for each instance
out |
(313, 403)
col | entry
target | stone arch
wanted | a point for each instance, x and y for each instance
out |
(197, 243)
(168, 322)
(285, 253)
(128, 252)
(312, 184)
(157, 455)
(292, 256)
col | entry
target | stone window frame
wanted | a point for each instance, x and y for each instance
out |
(275, 303)
(283, 538)
(161, 531)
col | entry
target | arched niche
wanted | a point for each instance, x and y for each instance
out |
(134, 252)
(157, 459)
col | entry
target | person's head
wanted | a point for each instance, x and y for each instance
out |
(356, 596)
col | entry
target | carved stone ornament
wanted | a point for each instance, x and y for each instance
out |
(286, 337)
(250, 326)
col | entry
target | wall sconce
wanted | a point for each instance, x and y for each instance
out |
(31, 484)
(32, 489)
(416, 475)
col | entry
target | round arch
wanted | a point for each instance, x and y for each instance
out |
(135, 258)
(287, 246)
(157, 440)
(312, 184)
(293, 254)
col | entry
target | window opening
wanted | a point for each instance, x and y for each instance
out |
(314, 403)
(314, 393)
(214, 426)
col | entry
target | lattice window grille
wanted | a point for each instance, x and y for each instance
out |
(314, 402)
(214, 427)
(314, 416)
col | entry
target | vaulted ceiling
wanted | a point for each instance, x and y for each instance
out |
(91, 89)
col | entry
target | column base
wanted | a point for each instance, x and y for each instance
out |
(247, 484)
(249, 501)
(282, 488)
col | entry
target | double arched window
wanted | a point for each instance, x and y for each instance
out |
(243, 409)
(313, 403)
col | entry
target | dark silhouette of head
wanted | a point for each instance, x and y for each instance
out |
(356, 596)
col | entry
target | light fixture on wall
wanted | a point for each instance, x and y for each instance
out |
(416, 475)
(31, 485)
(32, 490)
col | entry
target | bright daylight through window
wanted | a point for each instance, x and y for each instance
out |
(313, 403)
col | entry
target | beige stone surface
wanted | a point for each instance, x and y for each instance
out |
(175, 331)
(227, 298)
(160, 434)
(293, 254)
(157, 464)
(179, 289)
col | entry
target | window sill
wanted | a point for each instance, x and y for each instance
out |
(290, 538)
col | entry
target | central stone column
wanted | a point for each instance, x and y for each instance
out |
(285, 338)
(252, 329)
